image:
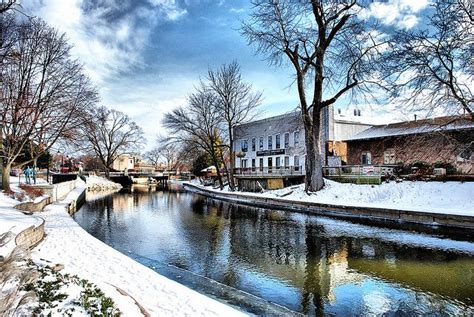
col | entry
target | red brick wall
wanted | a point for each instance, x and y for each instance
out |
(429, 148)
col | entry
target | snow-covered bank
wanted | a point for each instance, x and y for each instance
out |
(435, 197)
(97, 183)
(116, 274)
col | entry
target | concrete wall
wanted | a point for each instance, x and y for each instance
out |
(398, 218)
(58, 191)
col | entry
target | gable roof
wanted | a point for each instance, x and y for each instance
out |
(440, 124)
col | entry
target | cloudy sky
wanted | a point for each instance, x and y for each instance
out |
(146, 55)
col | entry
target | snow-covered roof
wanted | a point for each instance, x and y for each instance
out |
(414, 127)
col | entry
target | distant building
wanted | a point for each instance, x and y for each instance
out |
(444, 139)
(125, 162)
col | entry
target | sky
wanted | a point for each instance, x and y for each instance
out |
(145, 56)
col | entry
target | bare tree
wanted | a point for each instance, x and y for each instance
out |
(109, 134)
(7, 5)
(236, 103)
(153, 156)
(433, 65)
(43, 92)
(331, 50)
(198, 126)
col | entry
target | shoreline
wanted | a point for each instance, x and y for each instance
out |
(112, 271)
(398, 218)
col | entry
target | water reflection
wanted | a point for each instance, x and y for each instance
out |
(309, 264)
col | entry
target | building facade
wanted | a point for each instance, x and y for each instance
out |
(445, 140)
(271, 144)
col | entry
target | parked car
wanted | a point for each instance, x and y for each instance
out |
(16, 172)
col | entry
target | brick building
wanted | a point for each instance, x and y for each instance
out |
(444, 139)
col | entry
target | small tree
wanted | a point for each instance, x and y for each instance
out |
(332, 51)
(109, 134)
(433, 65)
(236, 103)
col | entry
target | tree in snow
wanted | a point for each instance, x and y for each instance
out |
(236, 103)
(433, 65)
(198, 126)
(109, 134)
(43, 93)
(332, 50)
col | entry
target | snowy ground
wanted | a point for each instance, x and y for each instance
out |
(68, 244)
(437, 197)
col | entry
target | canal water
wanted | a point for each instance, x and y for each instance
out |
(264, 260)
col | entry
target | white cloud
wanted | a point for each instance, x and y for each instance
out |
(237, 10)
(396, 12)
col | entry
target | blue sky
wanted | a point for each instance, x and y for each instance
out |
(146, 55)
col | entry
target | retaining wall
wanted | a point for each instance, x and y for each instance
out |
(30, 207)
(58, 191)
(464, 223)
(31, 236)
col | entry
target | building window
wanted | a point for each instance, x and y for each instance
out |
(466, 155)
(277, 141)
(244, 146)
(389, 157)
(277, 162)
(270, 163)
(297, 138)
(260, 164)
(287, 140)
(243, 163)
(253, 144)
(287, 162)
(270, 139)
(296, 161)
(253, 164)
(260, 145)
(366, 158)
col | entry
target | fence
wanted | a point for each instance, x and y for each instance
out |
(269, 171)
(359, 174)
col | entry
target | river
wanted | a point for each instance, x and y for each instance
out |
(307, 264)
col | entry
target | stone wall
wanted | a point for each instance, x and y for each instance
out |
(32, 206)
(31, 236)
(58, 191)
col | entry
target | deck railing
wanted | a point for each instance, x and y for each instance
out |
(269, 171)
(360, 170)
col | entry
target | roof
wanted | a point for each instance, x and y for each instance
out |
(452, 123)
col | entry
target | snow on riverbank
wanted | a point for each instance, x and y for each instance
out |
(450, 197)
(80, 253)
(97, 183)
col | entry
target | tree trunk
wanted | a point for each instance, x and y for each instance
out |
(219, 176)
(6, 169)
(314, 161)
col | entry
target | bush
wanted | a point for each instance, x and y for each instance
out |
(450, 169)
(32, 191)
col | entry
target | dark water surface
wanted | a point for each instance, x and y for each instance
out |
(308, 264)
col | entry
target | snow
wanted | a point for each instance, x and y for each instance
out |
(81, 254)
(436, 197)
(97, 183)
(14, 221)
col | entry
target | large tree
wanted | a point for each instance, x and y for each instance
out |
(433, 64)
(109, 134)
(198, 126)
(43, 93)
(236, 103)
(331, 50)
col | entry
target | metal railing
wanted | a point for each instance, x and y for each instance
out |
(269, 171)
(360, 170)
